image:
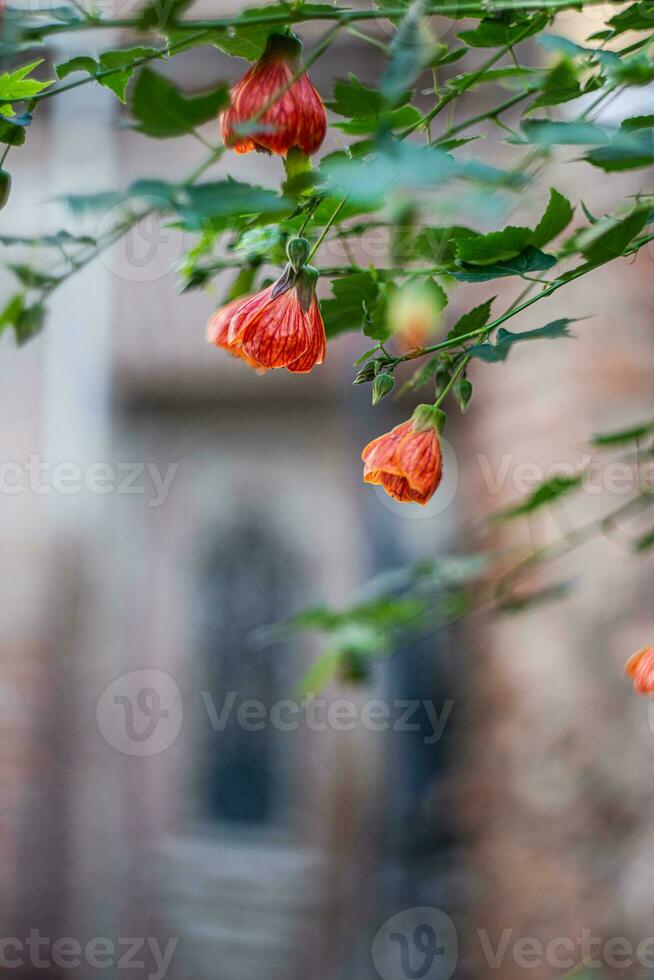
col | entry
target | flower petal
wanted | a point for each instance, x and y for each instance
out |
(317, 348)
(278, 333)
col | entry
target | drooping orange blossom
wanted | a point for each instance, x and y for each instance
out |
(407, 461)
(296, 118)
(278, 327)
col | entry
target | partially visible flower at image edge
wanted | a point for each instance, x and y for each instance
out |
(296, 118)
(279, 327)
(407, 461)
(640, 667)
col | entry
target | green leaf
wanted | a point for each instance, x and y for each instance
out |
(29, 323)
(494, 247)
(473, 320)
(636, 17)
(163, 111)
(11, 311)
(637, 70)
(353, 295)
(117, 81)
(530, 260)
(495, 32)
(17, 86)
(228, 198)
(546, 133)
(32, 278)
(645, 541)
(500, 350)
(248, 41)
(438, 245)
(354, 100)
(561, 84)
(548, 491)
(80, 63)
(557, 217)
(12, 130)
(631, 148)
(385, 121)
(623, 436)
(162, 13)
(610, 237)
(404, 166)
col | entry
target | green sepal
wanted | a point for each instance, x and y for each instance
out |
(298, 250)
(305, 283)
(428, 417)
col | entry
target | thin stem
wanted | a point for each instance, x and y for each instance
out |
(450, 384)
(330, 222)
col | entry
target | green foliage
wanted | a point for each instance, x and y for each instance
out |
(549, 491)
(162, 111)
(113, 69)
(499, 351)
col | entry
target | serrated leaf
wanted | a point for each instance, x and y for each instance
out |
(80, 63)
(16, 86)
(499, 351)
(472, 320)
(560, 85)
(494, 247)
(357, 101)
(245, 40)
(352, 296)
(162, 111)
(495, 32)
(530, 260)
(557, 217)
(610, 237)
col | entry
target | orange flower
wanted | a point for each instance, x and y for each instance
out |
(407, 461)
(279, 327)
(296, 118)
(640, 668)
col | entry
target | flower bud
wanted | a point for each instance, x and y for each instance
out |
(297, 250)
(381, 386)
(366, 373)
(463, 393)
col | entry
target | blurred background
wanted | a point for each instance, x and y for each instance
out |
(141, 800)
